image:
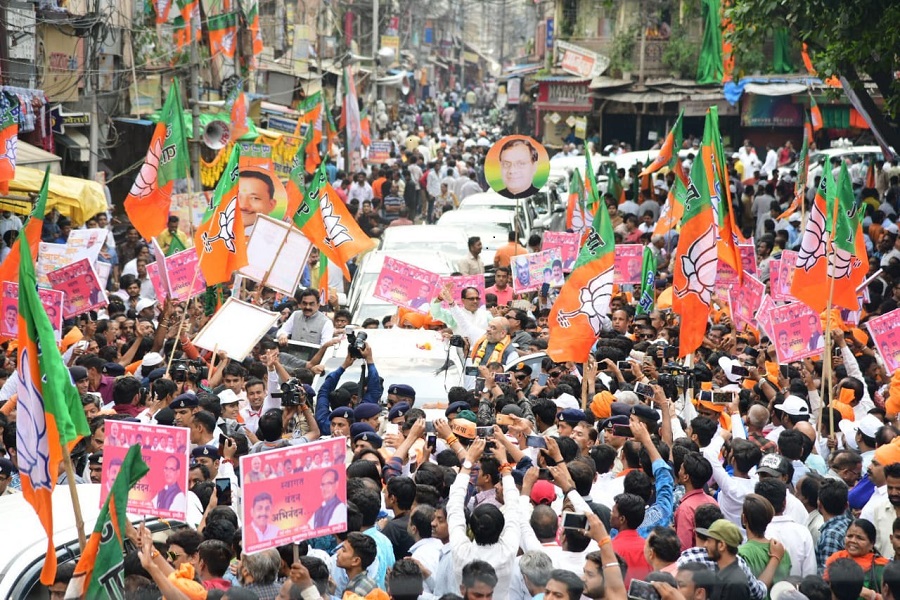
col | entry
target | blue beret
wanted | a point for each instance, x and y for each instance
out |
(645, 412)
(372, 438)
(343, 412)
(114, 369)
(78, 373)
(184, 401)
(366, 410)
(401, 389)
(357, 428)
(620, 409)
(614, 420)
(310, 390)
(572, 416)
(208, 451)
(399, 410)
(457, 407)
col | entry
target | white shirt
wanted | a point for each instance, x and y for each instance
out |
(732, 490)
(428, 552)
(287, 328)
(795, 510)
(797, 541)
(868, 511)
(10, 223)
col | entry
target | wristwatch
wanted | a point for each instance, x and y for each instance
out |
(467, 464)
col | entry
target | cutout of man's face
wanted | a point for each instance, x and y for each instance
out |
(254, 197)
(517, 168)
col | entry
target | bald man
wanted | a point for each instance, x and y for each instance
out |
(495, 345)
(757, 419)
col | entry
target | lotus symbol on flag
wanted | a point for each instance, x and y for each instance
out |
(145, 182)
(10, 152)
(842, 263)
(32, 428)
(226, 229)
(336, 233)
(812, 244)
(699, 267)
(594, 303)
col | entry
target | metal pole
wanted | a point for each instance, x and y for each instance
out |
(91, 90)
(195, 111)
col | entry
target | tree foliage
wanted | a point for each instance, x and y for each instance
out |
(855, 39)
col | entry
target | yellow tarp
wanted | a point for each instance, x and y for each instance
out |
(77, 199)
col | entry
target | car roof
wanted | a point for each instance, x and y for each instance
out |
(493, 216)
(490, 199)
(436, 262)
(420, 232)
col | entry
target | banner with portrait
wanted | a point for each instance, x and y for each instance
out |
(531, 271)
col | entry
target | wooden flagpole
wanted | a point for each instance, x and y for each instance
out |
(73, 491)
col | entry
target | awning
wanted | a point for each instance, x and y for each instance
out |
(77, 199)
(603, 82)
(562, 79)
(648, 97)
(521, 70)
(76, 144)
(775, 89)
(28, 155)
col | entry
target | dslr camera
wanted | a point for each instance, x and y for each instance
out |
(356, 343)
(292, 393)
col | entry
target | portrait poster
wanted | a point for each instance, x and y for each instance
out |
(51, 300)
(781, 274)
(276, 255)
(629, 261)
(568, 244)
(885, 330)
(79, 283)
(221, 335)
(52, 257)
(162, 492)
(796, 332)
(190, 209)
(180, 270)
(531, 271)
(517, 166)
(748, 263)
(746, 300)
(293, 494)
(764, 315)
(461, 282)
(260, 192)
(89, 241)
(406, 285)
(380, 152)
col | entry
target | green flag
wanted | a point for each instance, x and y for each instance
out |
(99, 572)
(848, 213)
(710, 67)
(175, 246)
(648, 282)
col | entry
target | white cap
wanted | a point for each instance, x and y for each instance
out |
(228, 397)
(727, 364)
(794, 218)
(868, 426)
(794, 405)
(566, 401)
(144, 303)
(151, 359)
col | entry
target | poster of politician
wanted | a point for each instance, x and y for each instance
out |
(796, 331)
(79, 282)
(406, 285)
(531, 271)
(51, 300)
(293, 494)
(163, 491)
(885, 330)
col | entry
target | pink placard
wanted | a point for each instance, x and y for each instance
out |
(748, 262)
(163, 491)
(746, 300)
(180, 268)
(461, 282)
(294, 494)
(568, 244)
(764, 315)
(51, 300)
(406, 285)
(781, 274)
(629, 262)
(796, 332)
(885, 330)
(531, 271)
(81, 286)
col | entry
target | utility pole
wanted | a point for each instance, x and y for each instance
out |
(195, 108)
(375, 42)
(502, 32)
(91, 89)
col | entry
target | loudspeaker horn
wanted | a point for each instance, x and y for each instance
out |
(216, 134)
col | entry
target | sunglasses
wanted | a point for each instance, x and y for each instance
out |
(555, 374)
(172, 556)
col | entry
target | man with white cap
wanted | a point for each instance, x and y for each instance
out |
(146, 309)
(228, 420)
(860, 435)
(793, 410)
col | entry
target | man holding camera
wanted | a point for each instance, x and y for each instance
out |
(373, 390)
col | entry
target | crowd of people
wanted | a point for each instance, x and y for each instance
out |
(632, 475)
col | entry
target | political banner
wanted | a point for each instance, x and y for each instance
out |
(293, 494)
(163, 491)
(81, 286)
(406, 285)
(52, 257)
(531, 271)
(380, 152)
(796, 332)
(190, 208)
(180, 268)
(89, 241)
(885, 330)
(746, 300)
(781, 274)
(461, 282)
(748, 262)
(764, 315)
(568, 244)
(628, 263)
(51, 300)
(103, 270)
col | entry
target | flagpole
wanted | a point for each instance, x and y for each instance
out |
(184, 313)
(584, 385)
(73, 491)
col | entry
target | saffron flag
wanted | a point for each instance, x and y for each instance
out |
(325, 221)
(815, 114)
(810, 281)
(9, 268)
(220, 240)
(694, 275)
(49, 412)
(800, 190)
(237, 107)
(648, 283)
(673, 209)
(162, 10)
(9, 139)
(870, 175)
(190, 14)
(310, 122)
(223, 37)
(668, 154)
(728, 234)
(577, 216)
(99, 572)
(150, 198)
(253, 26)
(580, 311)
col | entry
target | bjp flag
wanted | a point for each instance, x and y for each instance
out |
(9, 139)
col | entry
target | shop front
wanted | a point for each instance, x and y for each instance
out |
(564, 105)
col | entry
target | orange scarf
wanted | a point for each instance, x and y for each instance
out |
(480, 348)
